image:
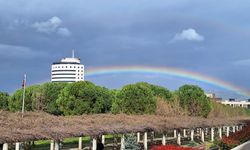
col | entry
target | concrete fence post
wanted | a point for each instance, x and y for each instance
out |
(5, 146)
(212, 134)
(57, 145)
(228, 130)
(145, 141)
(175, 135)
(103, 139)
(123, 142)
(240, 127)
(237, 128)
(179, 138)
(80, 143)
(138, 137)
(164, 139)
(94, 144)
(17, 146)
(184, 133)
(206, 131)
(220, 133)
(202, 135)
(192, 134)
(233, 129)
(52, 145)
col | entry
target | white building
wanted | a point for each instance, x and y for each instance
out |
(239, 103)
(67, 70)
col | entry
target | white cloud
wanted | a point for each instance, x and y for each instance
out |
(188, 34)
(53, 25)
(64, 31)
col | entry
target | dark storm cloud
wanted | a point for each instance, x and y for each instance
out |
(109, 33)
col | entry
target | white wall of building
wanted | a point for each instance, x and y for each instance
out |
(67, 70)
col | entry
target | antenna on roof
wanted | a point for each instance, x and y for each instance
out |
(73, 53)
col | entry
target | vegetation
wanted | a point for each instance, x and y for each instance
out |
(15, 101)
(224, 111)
(135, 99)
(236, 138)
(193, 99)
(140, 98)
(83, 98)
(4, 100)
(131, 143)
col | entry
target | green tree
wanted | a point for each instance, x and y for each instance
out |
(15, 101)
(115, 103)
(103, 101)
(4, 96)
(136, 99)
(158, 91)
(84, 97)
(46, 95)
(161, 92)
(193, 99)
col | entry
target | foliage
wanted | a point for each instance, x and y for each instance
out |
(135, 99)
(172, 147)
(46, 95)
(4, 100)
(193, 99)
(236, 138)
(15, 101)
(169, 108)
(84, 97)
(141, 98)
(131, 143)
(161, 92)
(223, 111)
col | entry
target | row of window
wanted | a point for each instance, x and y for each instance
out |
(66, 67)
(67, 77)
(66, 74)
(66, 70)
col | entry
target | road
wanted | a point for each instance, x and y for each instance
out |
(244, 146)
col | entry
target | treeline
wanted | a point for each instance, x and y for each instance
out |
(87, 98)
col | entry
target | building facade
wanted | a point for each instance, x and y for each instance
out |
(67, 70)
(239, 103)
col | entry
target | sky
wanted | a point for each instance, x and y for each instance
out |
(209, 37)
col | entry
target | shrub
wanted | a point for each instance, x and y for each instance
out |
(236, 138)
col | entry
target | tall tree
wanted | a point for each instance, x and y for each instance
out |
(4, 96)
(46, 95)
(84, 97)
(136, 99)
(193, 99)
(15, 101)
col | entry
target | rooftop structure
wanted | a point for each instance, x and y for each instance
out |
(67, 70)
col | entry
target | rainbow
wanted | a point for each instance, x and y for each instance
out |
(166, 71)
